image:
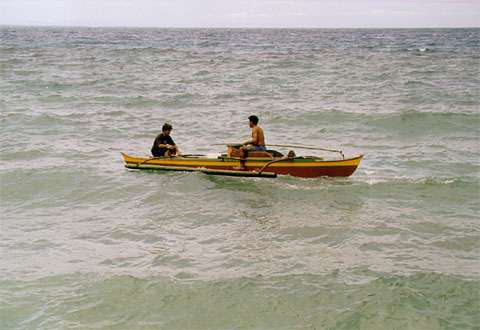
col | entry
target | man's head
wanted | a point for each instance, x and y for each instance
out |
(253, 120)
(166, 127)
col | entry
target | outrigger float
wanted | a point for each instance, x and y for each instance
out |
(266, 164)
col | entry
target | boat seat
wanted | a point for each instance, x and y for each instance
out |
(259, 154)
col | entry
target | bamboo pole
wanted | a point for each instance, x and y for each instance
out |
(311, 148)
(203, 170)
(285, 146)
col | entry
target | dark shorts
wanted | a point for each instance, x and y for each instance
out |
(258, 148)
(160, 152)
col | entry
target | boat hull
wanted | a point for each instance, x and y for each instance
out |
(305, 167)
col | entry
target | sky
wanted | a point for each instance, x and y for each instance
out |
(243, 13)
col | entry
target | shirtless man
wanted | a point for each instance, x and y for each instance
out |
(257, 142)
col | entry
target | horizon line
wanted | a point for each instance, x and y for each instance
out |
(238, 27)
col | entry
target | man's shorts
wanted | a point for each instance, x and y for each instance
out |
(160, 152)
(258, 148)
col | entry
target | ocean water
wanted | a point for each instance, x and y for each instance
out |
(86, 243)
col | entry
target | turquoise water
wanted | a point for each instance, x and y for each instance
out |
(86, 243)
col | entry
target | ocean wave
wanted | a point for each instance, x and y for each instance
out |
(415, 122)
(423, 300)
(180, 101)
(424, 122)
(417, 82)
(139, 102)
(45, 121)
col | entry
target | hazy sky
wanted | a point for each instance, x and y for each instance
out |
(243, 13)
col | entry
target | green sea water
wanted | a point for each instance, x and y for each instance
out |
(87, 243)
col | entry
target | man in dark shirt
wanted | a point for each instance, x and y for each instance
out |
(163, 146)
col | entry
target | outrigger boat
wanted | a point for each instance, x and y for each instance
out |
(257, 164)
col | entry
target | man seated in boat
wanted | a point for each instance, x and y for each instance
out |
(257, 142)
(163, 146)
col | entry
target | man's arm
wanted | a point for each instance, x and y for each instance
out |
(167, 143)
(255, 137)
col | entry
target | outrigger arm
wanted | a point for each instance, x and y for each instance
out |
(145, 165)
(274, 161)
